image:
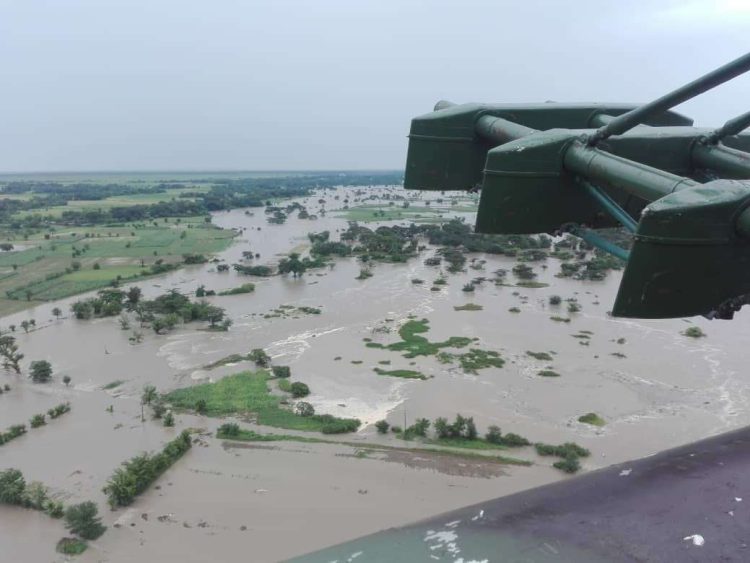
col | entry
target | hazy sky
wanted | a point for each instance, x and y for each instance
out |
(325, 84)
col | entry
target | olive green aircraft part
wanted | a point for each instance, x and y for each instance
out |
(526, 190)
(554, 168)
(447, 151)
(688, 257)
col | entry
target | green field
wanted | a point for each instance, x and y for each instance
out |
(247, 394)
(414, 213)
(37, 273)
(110, 202)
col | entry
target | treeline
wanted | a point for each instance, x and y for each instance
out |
(223, 194)
(162, 313)
(136, 474)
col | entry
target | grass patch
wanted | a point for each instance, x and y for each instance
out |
(473, 360)
(592, 418)
(243, 435)
(559, 319)
(113, 384)
(403, 373)
(468, 307)
(247, 393)
(413, 345)
(71, 546)
(250, 436)
(466, 443)
(544, 356)
(693, 332)
(548, 373)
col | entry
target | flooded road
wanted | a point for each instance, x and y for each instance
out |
(654, 387)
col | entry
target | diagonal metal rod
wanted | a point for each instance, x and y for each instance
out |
(731, 127)
(609, 204)
(627, 121)
(598, 241)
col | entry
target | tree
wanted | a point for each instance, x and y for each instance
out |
(470, 432)
(281, 371)
(165, 323)
(147, 397)
(83, 519)
(12, 486)
(57, 312)
(420, 427)
(299, 389)
(66, 380)
(261, 359)
(382, 426)
(133, 295)
(41, 371)
(493, 435)
(169, 419)
(442, 428)
(9, 352)
(303, 408)
(213, 314)
(83, 310)
(25, 326)
(292, 265)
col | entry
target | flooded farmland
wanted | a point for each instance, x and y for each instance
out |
(654, 387)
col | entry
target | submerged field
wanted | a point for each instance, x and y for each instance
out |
(542, 372)
(69, 261)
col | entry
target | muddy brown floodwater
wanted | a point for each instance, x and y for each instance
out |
(224, 502)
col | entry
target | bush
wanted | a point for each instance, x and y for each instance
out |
(35, 496)
(493, 435)
(299, 389)
(12, 486)
(514, 440)
(59, 410)
(13, 432)
(260, 358)
(568, 465)
(573, 307)
(382, 426)
(304, 408)
(54, 508)
(71, 546)
(37, 420)
(83, 520)
(340, 425)
(169, 420)
(200, 406)
(281, 371)
(229, 429)
(555, 300)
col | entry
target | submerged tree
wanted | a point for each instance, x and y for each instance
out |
(148, 396)
(9, 353)
(83, 519)
(41, 371)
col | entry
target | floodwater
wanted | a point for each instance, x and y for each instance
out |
(266, 502)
